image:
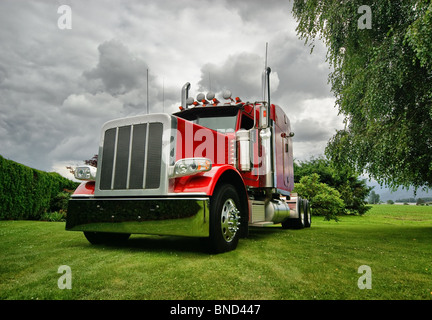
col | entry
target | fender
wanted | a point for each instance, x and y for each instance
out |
(200, 183)
(203, 183)
(86, 188)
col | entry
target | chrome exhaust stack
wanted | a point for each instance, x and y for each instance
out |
(185, 95)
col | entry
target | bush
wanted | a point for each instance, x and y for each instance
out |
(27, 193)
(324, 200)
(60, 201)
(353, 190)
(420, 202)
(54, 216)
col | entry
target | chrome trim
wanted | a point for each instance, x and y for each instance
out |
(258, 210)
(185, 95)
(229, 221)
(166, 121)
(266, 136)
(130, 156)
(82, 196)
(160, 216)
(146, 152)
(114, 159)
(188, 193)
(139, 198)
(277, 211)
(273, 152)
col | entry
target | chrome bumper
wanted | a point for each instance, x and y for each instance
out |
(159, 216)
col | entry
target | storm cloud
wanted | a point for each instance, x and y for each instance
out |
(117, 69)
(58, 87)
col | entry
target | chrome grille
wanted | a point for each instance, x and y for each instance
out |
(132, 157)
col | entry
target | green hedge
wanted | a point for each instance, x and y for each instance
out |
(27, 193)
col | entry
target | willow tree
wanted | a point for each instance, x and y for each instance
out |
(381, 58)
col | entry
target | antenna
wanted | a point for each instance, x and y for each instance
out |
(266, 84)
(163, 95)
(264, 76)
(147, 91)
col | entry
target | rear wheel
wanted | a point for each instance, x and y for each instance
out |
(307, 214)
(106, 237)
(299, 221)
(224, 219)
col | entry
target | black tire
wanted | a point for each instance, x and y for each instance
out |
(225, 218)
(307, 214)
(299, 221)
(106, 237)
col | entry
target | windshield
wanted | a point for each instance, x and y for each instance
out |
(222, 124)
(222, 119)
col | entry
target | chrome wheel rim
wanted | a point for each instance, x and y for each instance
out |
(229, 220)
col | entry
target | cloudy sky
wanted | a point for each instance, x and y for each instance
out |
(58, 85)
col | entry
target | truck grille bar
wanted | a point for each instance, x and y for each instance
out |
(132, 157)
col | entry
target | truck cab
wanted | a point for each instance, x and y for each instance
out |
(212, 170)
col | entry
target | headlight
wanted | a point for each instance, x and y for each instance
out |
(85, 173)
(190, 166)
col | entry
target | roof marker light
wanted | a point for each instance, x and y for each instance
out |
(227, 94)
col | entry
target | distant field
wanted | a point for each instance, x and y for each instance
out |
(322, 262)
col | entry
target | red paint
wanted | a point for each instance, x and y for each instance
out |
(197, 141)
(204, 182)
(85, 188)
(193, 141)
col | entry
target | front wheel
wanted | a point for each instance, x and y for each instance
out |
(224, 219)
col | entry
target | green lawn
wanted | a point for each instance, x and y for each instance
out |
(317, 263)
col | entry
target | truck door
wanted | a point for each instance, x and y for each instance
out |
(283, 152)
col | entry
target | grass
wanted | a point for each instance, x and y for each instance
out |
(317, 263)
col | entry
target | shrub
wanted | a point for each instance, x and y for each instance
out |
(324, 200)
(353, 190)
(54, 216)
(60, 201)
(420, 202)
(27, 193)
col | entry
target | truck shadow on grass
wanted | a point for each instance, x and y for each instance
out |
(154, 243)
(166, 244)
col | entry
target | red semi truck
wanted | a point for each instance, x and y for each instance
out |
(211, 170)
